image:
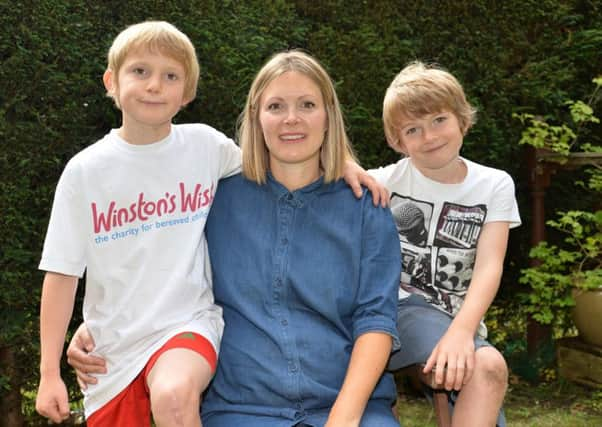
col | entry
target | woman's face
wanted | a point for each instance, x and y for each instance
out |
(293, 119)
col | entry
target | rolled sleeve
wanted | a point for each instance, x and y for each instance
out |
(380, 269)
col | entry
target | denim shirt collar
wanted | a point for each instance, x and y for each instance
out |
(298, 197)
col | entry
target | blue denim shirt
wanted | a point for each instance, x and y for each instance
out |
(300, 275)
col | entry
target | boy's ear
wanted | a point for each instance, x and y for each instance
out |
(107, 79)
(399, 147)
(185, 102)
(465, 129)
(188, 100)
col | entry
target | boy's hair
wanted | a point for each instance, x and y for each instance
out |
(336, 147)
(421, 89)
(157, 37)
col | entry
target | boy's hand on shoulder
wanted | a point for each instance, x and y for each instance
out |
(355, 176)
(453, 359)
(52, 400)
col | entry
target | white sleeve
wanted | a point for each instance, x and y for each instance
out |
(383, 174)
(503, 205)
(65, 243)
(230, 157)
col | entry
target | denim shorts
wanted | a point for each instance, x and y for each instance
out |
(420, 327)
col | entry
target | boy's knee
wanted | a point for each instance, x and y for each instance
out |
(492, 367)
(174, 401)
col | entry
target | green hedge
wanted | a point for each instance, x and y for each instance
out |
(512, 56)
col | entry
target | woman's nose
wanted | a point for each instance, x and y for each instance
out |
(291, 117)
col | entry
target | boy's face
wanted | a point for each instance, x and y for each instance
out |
(149, 89)
(432, 141)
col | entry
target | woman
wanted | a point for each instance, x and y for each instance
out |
(306, 273)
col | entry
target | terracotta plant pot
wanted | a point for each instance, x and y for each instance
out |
(587, 315)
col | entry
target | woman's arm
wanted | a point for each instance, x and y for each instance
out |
(374, 316)
(368, 360)
(80, 359)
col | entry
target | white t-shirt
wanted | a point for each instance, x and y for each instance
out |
(133, 217)
(439, 226)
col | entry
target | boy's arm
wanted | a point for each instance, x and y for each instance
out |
(455, 350)
(58, 296)
(230, 158)
(368, 359)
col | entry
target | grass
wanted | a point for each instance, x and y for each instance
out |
(555, 404)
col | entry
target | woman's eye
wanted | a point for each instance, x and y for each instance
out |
(274, 106)
(172, 76)
(308, 105)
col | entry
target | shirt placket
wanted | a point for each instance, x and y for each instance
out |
(287, 205)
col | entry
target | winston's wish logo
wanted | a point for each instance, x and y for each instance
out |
(142, 209)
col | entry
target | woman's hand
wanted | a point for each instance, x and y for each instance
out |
(79, 357)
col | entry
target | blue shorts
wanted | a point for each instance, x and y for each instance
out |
(420, 327)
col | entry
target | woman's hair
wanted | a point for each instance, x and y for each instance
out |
(161, 37)
(421, 89)
(336, 147)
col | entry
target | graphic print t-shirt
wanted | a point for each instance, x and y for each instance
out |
(439, 226)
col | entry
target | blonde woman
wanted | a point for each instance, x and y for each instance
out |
(306, 273)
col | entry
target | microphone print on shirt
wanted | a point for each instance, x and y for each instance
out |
(438, 248)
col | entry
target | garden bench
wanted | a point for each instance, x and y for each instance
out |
(424, 381)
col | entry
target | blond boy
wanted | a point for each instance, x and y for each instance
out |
(130, 211)
(452, 217)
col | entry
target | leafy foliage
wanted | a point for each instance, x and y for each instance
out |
(577, 262)
(562, 138)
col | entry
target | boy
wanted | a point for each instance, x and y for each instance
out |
(452, 217)
(130, 210)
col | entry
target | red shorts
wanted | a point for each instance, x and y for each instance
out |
(131, 407)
